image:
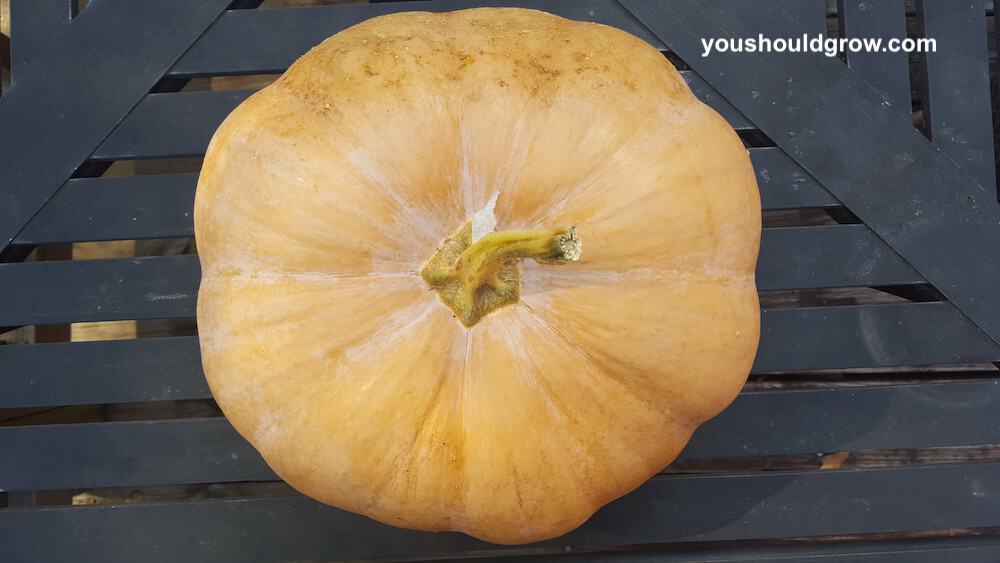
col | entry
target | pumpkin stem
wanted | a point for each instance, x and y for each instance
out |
(476, 278)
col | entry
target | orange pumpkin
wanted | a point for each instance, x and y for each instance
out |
(481, 271)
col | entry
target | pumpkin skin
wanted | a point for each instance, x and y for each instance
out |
(323, 195)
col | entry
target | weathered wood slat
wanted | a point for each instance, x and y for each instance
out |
(828, 256)
(870, 336)
(784, 184)
(889, 73)
(250, 42)
(957, 89)
(114, 371)
(182, 124)
(160, 206)
(166, 286)
(756, 424)
(851, 419)
(811, 15)
(166, 452)
(665, 509)
(170, 125)
(34, 24)
(116, 208)
(98, 290)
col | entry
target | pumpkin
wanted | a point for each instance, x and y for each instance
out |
(482, 271)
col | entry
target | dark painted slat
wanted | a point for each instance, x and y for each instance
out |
(767, 423)
(66, 104)
(828, 256)
(137, 207)
(888, 73)
(666, 509)
(870, 336)
(167, 452)
(98, 290)
(811, 16)
(116, 208)
(35, 24)
(182, 124)
(784, 184)
(852, 419)
(967, 549)
(170, 125)
(827, 118)
(166, 286)
(249, 41)
(116, 371)
(957, 98)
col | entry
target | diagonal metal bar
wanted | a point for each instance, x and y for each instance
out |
(838, 128)
(80, 87)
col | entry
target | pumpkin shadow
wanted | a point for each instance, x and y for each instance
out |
(702, 507)
(768, 504)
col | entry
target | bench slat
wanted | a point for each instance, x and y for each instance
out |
(665, 509)
(170, 125)
(762, 423)
(112, 371)
(784, 184)
(957, 90)
(889, 73)
(116, 208)
(870, 336)
(98, 290)
(829, 256)
(36, 23)
(167, 286)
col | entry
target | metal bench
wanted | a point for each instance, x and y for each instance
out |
(907, 220)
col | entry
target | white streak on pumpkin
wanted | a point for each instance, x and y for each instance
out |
(396, 328)
(484, 221)
(470, 186)
(407, 213)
